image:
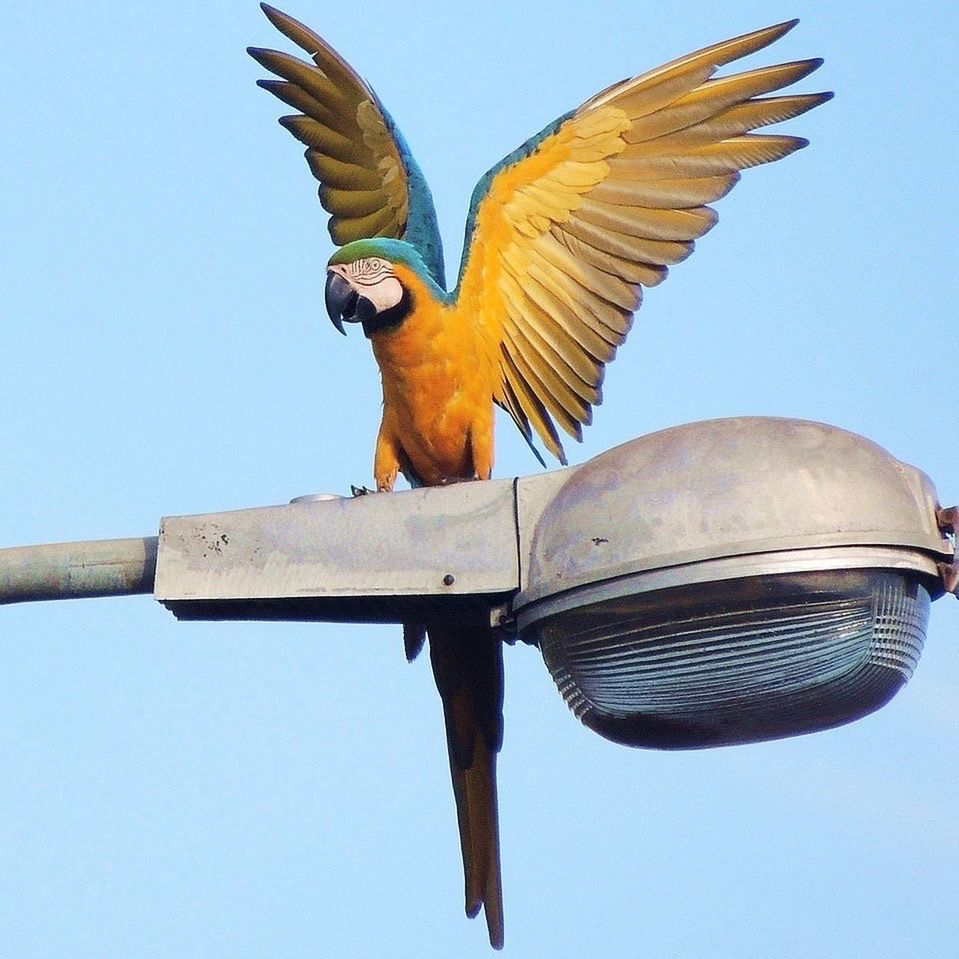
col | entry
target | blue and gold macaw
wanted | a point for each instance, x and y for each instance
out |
(561, 238)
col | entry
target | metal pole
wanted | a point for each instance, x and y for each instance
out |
(108, 567)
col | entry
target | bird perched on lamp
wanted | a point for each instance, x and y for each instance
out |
(561, 238)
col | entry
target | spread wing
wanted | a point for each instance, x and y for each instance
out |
(563, 234)
(369, 182)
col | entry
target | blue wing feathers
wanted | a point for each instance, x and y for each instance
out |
(422, 227)
(483, 186)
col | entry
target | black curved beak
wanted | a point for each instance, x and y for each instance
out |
(341, 300)
(344, 304)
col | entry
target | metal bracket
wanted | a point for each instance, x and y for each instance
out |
(501, 620)
(948, 519)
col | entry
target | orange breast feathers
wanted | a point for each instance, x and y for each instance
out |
(438, 381)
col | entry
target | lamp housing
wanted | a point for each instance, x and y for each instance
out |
(732, 581)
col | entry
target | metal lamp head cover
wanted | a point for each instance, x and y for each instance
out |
(733, 580)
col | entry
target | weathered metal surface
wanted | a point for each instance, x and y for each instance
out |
(374, 557)
(110, 567)
(723, 488)
(533, 497)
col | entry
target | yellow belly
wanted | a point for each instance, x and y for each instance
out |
(437, 395)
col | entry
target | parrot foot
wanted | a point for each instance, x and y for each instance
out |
(360, 490)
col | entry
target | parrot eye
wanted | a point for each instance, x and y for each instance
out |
(370, 270)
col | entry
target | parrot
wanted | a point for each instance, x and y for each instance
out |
(562, 237)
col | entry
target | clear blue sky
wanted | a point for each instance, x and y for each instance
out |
(248, 790)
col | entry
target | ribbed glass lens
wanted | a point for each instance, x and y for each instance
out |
(740, 660)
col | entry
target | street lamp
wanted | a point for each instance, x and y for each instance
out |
(721, 582)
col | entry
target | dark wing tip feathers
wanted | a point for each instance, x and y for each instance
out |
(779, 30)
(285, 23)
(414, 637)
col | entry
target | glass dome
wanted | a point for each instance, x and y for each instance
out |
(738, 661)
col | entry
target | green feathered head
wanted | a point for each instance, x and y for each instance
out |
(363, 287)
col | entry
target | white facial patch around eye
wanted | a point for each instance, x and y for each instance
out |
(373, 278)
(384, 294)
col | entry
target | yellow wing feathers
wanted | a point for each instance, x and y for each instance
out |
(567, 235)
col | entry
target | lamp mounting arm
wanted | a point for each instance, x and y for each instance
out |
(948, 519)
